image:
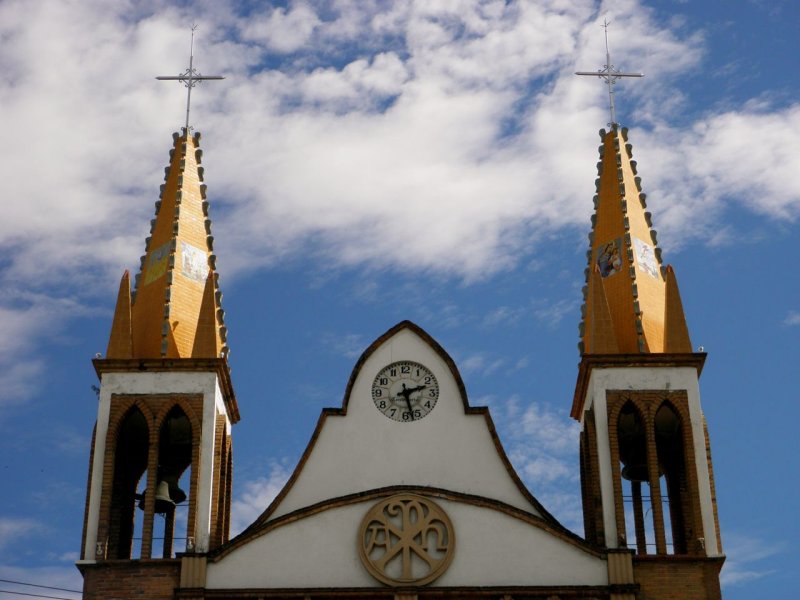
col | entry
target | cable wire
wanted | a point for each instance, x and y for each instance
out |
(47, 587)
(35, 595)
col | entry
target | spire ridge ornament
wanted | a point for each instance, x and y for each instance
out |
(610, 75)
(189, 78)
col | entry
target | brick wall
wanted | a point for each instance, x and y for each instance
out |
(677, 578)
(131, 579)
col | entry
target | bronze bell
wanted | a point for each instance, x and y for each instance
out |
(636, 472)
(167, 496)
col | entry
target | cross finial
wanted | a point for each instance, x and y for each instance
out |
(610, 75)
(189, 78)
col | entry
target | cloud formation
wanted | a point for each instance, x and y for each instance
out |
(447, 138)
(256, 496)
(745, 554)
(541, 444)
(11, 528)
(459, 126)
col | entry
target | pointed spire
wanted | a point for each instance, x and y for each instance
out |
(676, 333)
(119, 342)
(178, 265)
(623, 249)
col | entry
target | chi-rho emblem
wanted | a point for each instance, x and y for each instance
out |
(406, 539)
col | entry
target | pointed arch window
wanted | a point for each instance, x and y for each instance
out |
(632, 438)
(173, 477)
(130, 466)
(672, 477)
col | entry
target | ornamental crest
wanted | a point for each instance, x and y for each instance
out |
(406, 539)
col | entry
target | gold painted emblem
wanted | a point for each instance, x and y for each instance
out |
(406, 539)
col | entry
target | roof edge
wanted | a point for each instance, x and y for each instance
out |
(620, 361)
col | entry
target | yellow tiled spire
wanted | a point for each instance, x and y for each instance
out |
(175, 310)
(625, 269)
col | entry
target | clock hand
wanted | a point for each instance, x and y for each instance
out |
(406, 393)
(410, 410)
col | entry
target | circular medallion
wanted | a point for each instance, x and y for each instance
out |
(406, 540)
(405, 391)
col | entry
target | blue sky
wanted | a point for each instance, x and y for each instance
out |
(369, 162)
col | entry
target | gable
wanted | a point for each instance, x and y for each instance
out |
(358, 448)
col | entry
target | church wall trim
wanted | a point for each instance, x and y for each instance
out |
(262, 528)
(578, 592)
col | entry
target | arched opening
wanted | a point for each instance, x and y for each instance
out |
(672, 465)
(632, 438)
(174, 460)
(130, 464)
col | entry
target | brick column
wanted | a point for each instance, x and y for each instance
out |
(150, 495)
(169, 526)
(191, 519)
(655, 487)
(638, 517)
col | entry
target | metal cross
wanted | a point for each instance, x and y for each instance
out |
(610, 74)
(189, 78)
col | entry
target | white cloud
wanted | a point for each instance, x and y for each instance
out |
(747, 156)
(793, 318)
(19, 379)
(425, 133)
(349, 345)
(545, 469)
(503, 315)
(550, 313)
(744, 553)
(282, 30)
(256, 497)
(541, 444)
(481, 364)
(12, 528)
(565, 505)
(26, 319)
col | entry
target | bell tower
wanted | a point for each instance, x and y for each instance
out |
(646, 472)
(160, 466)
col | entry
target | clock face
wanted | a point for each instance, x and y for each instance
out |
(405, 391)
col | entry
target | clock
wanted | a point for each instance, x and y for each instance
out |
(405, 391)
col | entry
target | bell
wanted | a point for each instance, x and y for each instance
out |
(636, 472)
(164, 502)
(167, 496)
(176, 494)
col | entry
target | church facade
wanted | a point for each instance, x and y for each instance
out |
(404, 492)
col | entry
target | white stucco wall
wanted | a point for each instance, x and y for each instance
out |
(650, 378)
(365, 450)
(492, 548)
(205, 384)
